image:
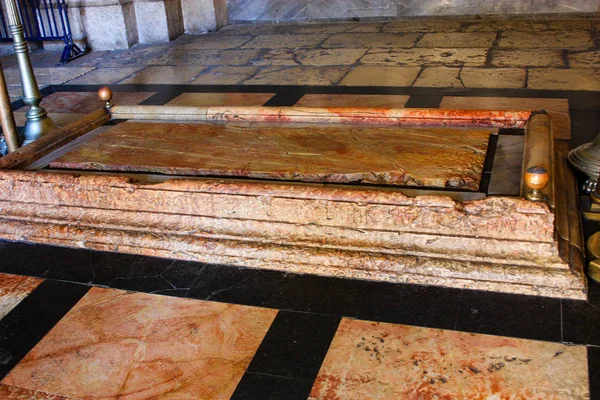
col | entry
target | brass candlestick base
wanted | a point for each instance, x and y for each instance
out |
(593, 247)
(586, 158)
(37, 125)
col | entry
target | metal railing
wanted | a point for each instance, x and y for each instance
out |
(44, 20)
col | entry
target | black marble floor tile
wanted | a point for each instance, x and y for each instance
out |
(155, 275)
(416, 101)
(39, 261)
(25, 325)
(284, 99)
(266, 387)
(581, 321)
(594, 371)
(527, 317)
(274, 289)
(295, 345)
(418, 305)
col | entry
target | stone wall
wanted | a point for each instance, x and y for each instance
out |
(304, 10)
(119, 24)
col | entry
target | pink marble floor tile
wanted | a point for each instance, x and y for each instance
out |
(115, 344)
(13, 289)
(16, 393)
(370, 360)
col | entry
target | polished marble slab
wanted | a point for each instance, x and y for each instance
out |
(558, 109)
(13, 289)
(430, 157)
(373, 360)
(116, 344)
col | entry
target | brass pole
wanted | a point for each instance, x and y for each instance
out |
(7, 119)
(38, 123)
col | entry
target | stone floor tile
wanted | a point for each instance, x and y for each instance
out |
(439, 77)
(91, 59)
(527, 58)
(426, 57)
(539, 40)
(46, 76)
(164, 75)
(284, 41)
(570, 24)
(181, 57)
(118, 344)
(298, 76)
(352, 40)
(505, 25)
(493, 77)
(585, 59)
(564, 79)
(367, 28)
(138, 55)
(8, 61)
(282, 57)
(215, 41)
(13, 289)
(321, 57)
(45, 58)
(15, 92)
(225, 75)
(353, 100)
(422, 26)
(367, 75)
(371, 360)
(320, 28)
(267, 28)
(104, 76)
(221, 99)
(313, 57)
(453, 40)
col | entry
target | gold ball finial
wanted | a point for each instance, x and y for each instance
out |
(536, 178)
(105, 94)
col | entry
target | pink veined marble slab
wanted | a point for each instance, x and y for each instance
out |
(13, 289)
(115, 344)
(371, 360)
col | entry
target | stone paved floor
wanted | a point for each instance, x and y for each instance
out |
(535, 54)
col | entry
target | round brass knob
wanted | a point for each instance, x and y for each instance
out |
(536, 178)
(105, 94)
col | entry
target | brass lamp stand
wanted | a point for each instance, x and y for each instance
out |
(586, 158)
(38, 123)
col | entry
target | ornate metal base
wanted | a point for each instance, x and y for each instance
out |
(586, 158)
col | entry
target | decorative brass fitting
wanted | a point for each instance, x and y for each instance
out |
(105, 94)
(586, 158)
(536, 178)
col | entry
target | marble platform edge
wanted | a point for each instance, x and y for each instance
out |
(305, 260)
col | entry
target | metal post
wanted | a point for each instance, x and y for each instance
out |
(7, 119)
(38, 123)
